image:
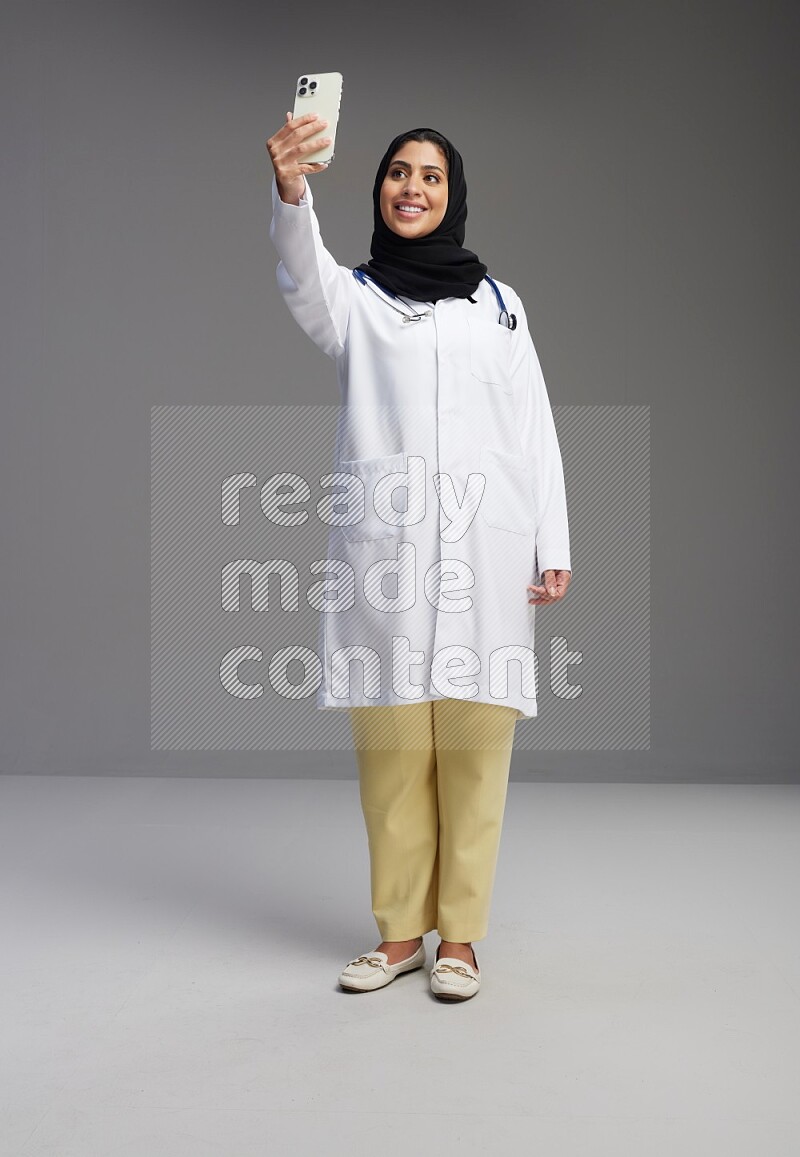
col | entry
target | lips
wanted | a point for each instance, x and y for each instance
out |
(407, 211)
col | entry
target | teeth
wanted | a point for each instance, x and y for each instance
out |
(410, 209)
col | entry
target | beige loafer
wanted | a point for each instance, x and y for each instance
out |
(454, 979)
(373, 970)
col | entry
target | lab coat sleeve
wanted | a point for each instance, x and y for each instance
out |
(316, 289)
(541, 448)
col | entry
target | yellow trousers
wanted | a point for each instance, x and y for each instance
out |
(433, 780)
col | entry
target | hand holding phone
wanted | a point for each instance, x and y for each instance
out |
(287, 150)
(299, 146)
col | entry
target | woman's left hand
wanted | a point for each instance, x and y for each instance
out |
(555, 583)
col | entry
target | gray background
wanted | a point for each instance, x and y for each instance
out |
(630, 174)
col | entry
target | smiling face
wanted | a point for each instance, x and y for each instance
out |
(414, 191)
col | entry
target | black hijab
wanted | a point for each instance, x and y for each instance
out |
(433, 266)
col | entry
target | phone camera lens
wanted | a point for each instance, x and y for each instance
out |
(304, 80)
(313, 84)
(302, 92)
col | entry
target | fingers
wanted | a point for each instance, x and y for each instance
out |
(552, 588)
(301, 124)
(549, 579)
(541, 597)
(291, 141)
(312, 146)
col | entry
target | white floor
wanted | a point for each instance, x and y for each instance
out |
(170, 951)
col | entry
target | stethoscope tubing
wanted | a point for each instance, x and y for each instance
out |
(509, 320)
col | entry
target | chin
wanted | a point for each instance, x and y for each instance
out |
(410, 231)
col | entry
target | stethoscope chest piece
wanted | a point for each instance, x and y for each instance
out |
(510, 321)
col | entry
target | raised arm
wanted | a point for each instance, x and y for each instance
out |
(316, 289)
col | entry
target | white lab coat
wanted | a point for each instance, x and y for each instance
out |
(434, 403)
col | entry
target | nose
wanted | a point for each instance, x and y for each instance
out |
(410, 186)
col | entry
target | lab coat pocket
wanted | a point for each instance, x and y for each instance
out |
(490, 353)
(374, 518)
(508, 502)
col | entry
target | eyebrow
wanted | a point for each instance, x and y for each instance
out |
(406, 165)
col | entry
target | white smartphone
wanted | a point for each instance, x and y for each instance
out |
(320, 93)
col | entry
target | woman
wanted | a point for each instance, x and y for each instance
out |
(442, 398)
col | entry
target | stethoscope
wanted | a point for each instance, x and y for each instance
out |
(509, 320)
